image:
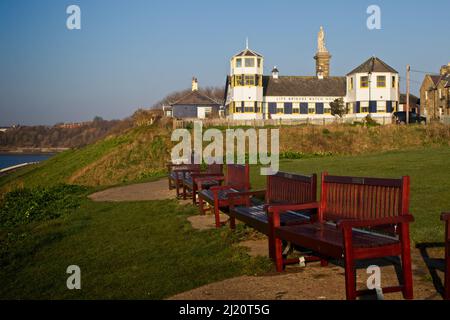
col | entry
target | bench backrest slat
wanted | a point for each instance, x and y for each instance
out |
(363, 198)
(238, 176)
(291, 188)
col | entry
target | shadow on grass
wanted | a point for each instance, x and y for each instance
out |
(433, 264)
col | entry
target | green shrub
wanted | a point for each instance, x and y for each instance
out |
(23, 206)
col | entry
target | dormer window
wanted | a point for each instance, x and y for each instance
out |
(393, 82)
(238, 63)
(259, 63)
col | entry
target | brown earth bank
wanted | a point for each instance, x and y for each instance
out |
(312, 282)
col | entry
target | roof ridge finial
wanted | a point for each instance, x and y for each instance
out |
(246, 43)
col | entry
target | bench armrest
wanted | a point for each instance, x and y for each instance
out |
(274, 211)
(248, 193)
(205, 174)
(445, 216)
(199, 179)
(244, 194)
(356, 223)
(291, 207)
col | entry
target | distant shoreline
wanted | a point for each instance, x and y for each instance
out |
(26, 150)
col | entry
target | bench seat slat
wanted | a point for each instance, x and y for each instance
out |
(322, 237)
(256, 217)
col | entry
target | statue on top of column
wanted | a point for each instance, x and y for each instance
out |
(321, 41)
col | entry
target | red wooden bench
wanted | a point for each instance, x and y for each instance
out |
(237, 179)
(358, 218)
(296, 190)
(177, 173)
(207, 180)
(446, 217)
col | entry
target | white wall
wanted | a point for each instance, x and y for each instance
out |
(376, 94)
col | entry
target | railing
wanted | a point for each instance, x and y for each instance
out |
(187, 123)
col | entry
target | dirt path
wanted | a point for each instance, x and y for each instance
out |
(312, 282)
(156, 190)
(309, 283)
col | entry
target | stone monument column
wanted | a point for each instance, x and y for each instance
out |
(322, 56)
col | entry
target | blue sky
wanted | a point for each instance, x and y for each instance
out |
(129, 54)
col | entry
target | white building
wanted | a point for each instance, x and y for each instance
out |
(371, 88)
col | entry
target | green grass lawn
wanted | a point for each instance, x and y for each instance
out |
(149, 250)
(142, 250)
(429, 170)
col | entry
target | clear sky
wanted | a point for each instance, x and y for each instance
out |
(129, 54)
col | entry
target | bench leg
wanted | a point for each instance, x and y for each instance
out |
(194, 195)
(184, 192)
(447, 262)
(177, 187)
(201, 205)
(406, 262)
(350, 276)
(232, 223)
(278, 248)
(217, 212)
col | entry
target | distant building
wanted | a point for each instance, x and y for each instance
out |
(371, 88)
(434, 94)
(72, 125)
(414, 103)
(194, 105)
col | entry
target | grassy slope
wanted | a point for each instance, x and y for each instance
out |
(428, 169)
(142, 250)
(134, 155)
(140, 153)
(149, 250)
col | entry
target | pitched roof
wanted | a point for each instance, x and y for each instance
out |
(304, 86)
(435, 78)
(412, 99)
(373, 64)
(195, 98)
(248, 53)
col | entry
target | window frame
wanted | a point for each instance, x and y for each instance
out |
(280, 108)
(252, 60)
(249, 106)
(382, 110)
(383, 82)
(361, 107)
(361, 82)
(239, 106)
(249, 77)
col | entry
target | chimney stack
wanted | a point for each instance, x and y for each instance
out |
(445, 69)
(275, 73)
(194, 84)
